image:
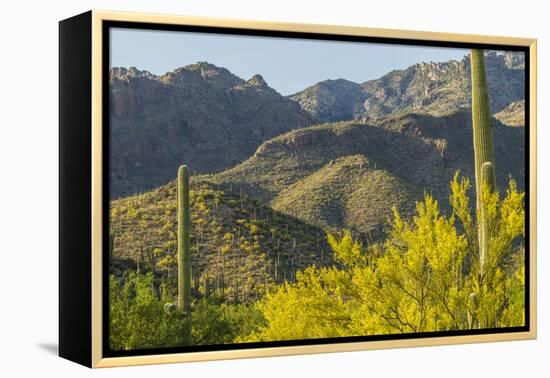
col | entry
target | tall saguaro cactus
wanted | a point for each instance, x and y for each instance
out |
(483, 146)
(184, 249)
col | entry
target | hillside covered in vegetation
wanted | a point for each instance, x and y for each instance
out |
(351, 174)
(239, 246)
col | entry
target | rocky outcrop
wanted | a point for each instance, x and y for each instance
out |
(122, 73)
(513, 114)
(331, 100)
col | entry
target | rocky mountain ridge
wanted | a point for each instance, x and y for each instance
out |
(428, 88)
(200, 114)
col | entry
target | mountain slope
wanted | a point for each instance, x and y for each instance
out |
(428, 88)
(238, 246)
(350, 174)
(199, 114)
(342, 193)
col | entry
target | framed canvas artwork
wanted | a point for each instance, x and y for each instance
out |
(235, 189)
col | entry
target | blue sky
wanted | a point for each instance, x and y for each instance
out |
(288, 65)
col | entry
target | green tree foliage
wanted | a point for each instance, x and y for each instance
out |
(138, 319)
(424, 277)
(137, 316)
(221, 323)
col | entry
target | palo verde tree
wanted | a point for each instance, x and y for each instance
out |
(413, 281)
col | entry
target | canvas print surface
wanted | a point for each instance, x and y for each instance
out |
(266, 189)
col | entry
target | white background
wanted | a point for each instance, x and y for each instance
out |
(29, 190)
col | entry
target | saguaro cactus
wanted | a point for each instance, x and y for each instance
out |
(483, 146)
(184, 249)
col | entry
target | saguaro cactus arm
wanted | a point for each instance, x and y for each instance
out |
(488, 176)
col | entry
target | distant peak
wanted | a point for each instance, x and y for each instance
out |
(204, 68)
(206, 72)
(257, 81)
(201, 65)
(337, 83)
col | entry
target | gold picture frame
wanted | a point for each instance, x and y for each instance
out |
(91, 25)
